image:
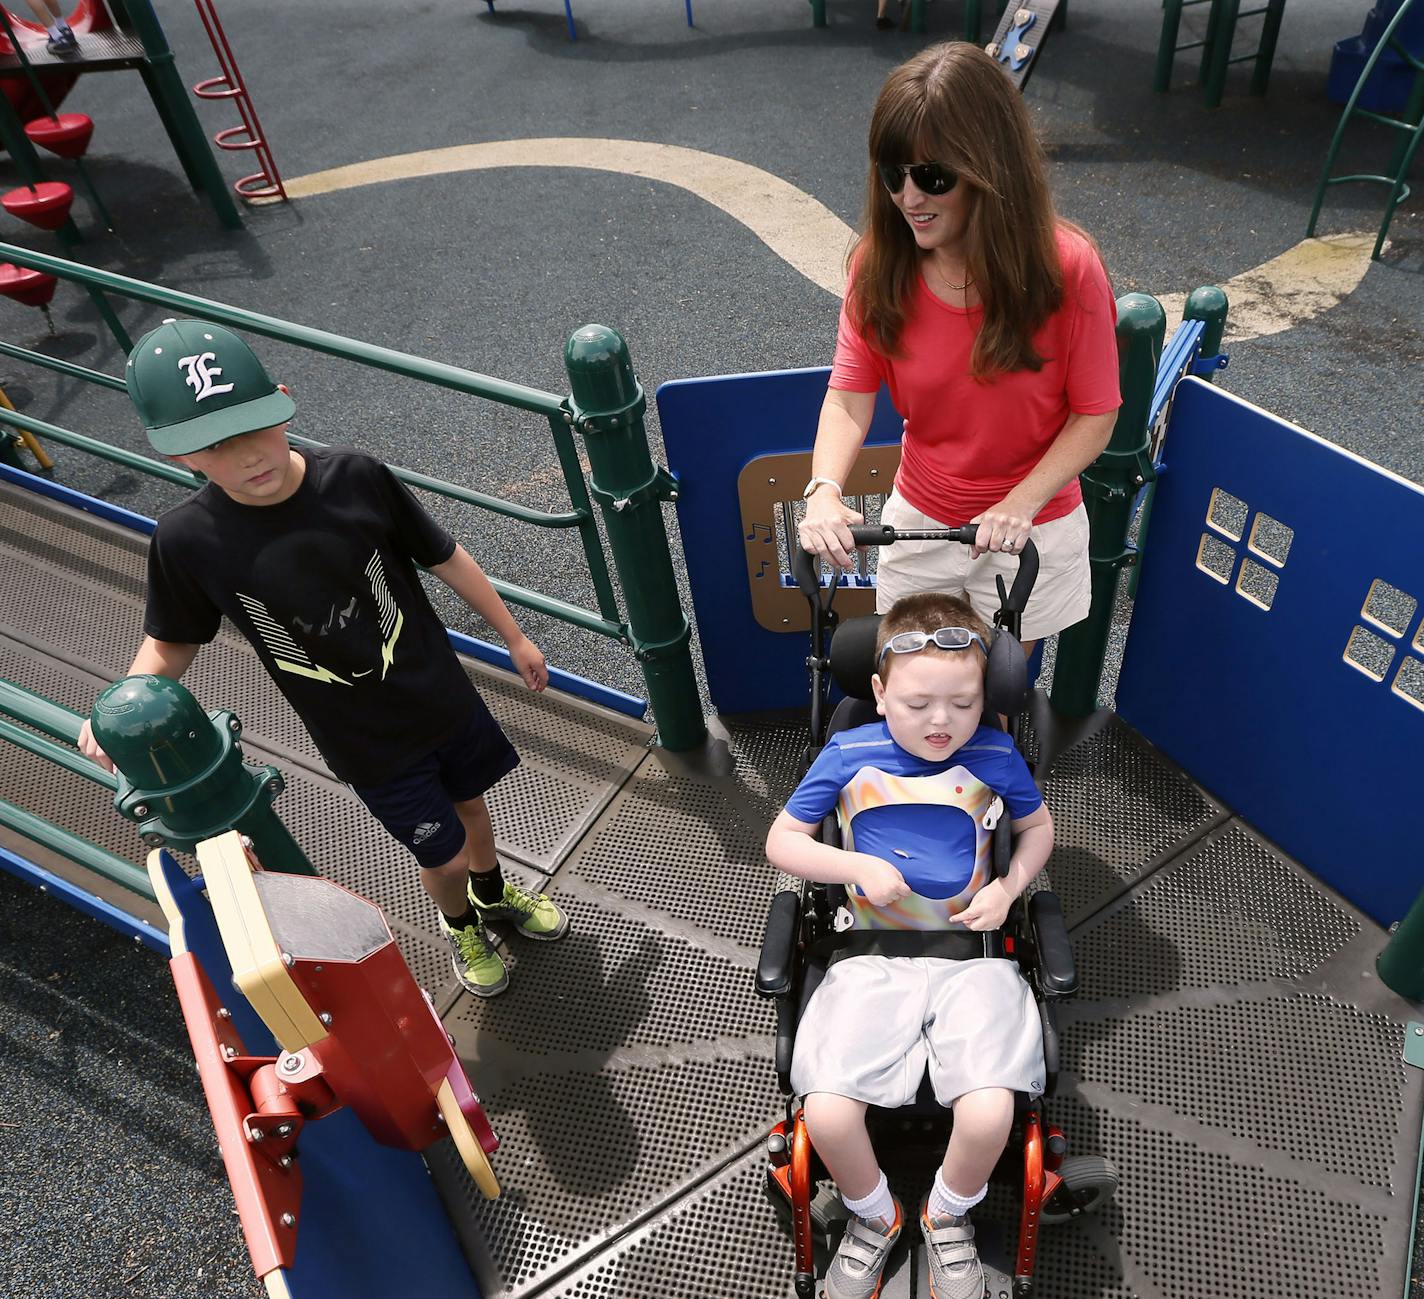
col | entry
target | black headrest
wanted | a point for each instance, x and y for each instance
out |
(853, 664)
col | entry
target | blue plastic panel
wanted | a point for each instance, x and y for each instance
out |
(712, 428)
(1262, 705)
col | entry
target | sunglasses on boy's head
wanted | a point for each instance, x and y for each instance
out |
(932, 178)
(947, 638)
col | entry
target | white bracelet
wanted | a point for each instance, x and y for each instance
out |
(818, 482)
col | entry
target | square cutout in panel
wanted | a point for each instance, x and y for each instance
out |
(1257, 584)
(1369, 653)
(1388, 607)
(1408, 682)
(1215, 558)
(1227, 513)
(1271, 539)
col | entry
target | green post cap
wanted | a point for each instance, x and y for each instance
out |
(155, 731)
(600, 372)
(195, 384)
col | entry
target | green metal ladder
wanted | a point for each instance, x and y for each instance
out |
(1216, 44)
(1410, 125)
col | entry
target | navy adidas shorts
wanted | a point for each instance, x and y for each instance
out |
(418, 806)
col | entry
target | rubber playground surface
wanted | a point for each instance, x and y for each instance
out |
(703, 211)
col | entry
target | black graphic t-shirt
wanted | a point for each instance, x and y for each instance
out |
(324, 585)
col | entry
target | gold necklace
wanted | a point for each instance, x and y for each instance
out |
(948, 283)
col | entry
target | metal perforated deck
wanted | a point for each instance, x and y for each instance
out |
(1230, 1050)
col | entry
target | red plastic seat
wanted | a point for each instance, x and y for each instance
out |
(67, 135)
(32, 288)
(45, 205)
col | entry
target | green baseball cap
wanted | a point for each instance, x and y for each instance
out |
(195, 384)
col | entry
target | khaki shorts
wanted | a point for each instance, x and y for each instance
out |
(1061, 595)
(875, 1022)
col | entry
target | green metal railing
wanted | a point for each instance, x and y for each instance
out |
(57, 723)
(606, 407)
(180, 775)
(1111, 485)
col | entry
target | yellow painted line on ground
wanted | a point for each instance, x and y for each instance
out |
(1288, 290)
(1310, 278)
(796, 227)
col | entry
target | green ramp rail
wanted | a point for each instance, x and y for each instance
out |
(180, 775)
(606, 406)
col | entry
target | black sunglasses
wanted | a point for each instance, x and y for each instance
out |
(932, 178)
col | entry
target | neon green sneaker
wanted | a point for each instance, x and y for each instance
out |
(532, 914)
(477, 965)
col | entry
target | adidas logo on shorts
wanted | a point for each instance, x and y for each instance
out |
(424, 830)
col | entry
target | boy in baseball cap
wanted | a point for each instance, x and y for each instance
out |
(312, 556)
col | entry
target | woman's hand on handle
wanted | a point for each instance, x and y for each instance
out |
(1004, 527)
(825, 531)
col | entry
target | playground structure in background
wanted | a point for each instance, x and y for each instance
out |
(113, 36)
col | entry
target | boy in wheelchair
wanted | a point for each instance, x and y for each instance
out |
(918, 793)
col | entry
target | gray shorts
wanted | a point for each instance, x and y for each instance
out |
(876, 1021)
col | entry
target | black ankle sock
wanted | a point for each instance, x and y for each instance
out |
(465, 921)
(488, 886)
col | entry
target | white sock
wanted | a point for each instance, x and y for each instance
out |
(55, 31)
(878, 1204)
(944, 1203)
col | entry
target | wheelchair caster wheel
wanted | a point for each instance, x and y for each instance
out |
(1089, 1182)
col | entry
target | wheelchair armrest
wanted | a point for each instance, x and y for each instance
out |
(1057, 973)
(778, 945)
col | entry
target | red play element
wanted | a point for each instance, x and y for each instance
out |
(384, 1053)
(388, 1052)
(268, 1192)
(45, 204)
(263, 185)
(32, 288)
(67, 135)
(86, 16)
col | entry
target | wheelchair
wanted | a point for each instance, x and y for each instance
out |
(801, 938)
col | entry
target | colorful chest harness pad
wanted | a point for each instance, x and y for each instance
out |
(932, 821)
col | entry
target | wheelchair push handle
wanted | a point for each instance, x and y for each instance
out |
(882, 534)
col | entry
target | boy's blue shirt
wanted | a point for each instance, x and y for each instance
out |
(930, 820)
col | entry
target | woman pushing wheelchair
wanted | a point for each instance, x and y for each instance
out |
(992, 323)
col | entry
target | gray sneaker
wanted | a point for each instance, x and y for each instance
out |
(955, 1270)
(856, 1270)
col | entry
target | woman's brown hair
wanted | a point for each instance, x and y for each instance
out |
(953, 104)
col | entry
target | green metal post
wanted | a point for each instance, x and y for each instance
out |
(1401, 964)
(818, 13)
(607, 407)
(1110, 487)
(1208, 304)
(1167, 45)
(183, 777)
(170, 100)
